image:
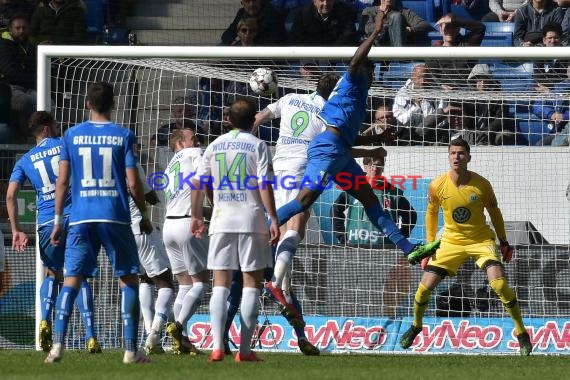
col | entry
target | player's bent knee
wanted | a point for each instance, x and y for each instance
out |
(491, 263)
(442, 273)
(164, 280)
(504, 291)
(145, 279)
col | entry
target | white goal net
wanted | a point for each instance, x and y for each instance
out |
(356, 292)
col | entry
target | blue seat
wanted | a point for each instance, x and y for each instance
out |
(533, 129)
(499, 27)
(498, 39)
(513, 78)
(95, 16)
(398, 73)
(423, 8)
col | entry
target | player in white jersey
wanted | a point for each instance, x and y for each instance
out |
(237, 168)
(155, 271)
(188, 255)
(299, 124)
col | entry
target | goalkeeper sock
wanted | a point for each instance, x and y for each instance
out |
(63, 308)
(288, 210)
(130, 313)
(384, 223)
(248, 318)
(234, 299)
(85, 305)
(218, 315)
(509, 300)
(48, 295)
(146, 299)
(421, 302)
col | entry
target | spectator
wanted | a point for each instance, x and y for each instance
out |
(556, 112)
(384, 123)
(505, 9)
(247, 29)
(565, 23)
(492, 125)
(271, 23)
(182, 117)
(18, 65)
(548, 73)
(474, 9)
(532, 17)
(324, 23)
(59, 22)
(414, 113)
(356, 230)
(11, 7)
(451, 74)
(402, 27)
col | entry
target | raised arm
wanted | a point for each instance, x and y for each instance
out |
(362, 52)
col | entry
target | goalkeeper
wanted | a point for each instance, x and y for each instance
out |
(463, 195)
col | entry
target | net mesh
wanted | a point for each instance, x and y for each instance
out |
(333, 277)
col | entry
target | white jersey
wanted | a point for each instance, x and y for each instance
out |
(299, 124)
(181, 168)
(136, 215)
(238, 164)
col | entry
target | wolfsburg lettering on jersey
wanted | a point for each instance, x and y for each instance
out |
(305, 106)
(46, 153)
(234, 145)
(98, 193)
(98, 140)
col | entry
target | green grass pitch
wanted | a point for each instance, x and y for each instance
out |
(80, 365)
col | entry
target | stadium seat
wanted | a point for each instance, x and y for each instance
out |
(95, 16)
(513, 78)
(423, 8)
(533, 129)
(398, 73)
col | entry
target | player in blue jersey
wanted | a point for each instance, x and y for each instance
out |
(98, 160)
(39, 166)
(329, 153)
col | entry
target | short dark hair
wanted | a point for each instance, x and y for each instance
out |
(16, 16)
(552, 27)
(458, 141)
(242, 113)
(326, 84)
(371, 161)
(101, 97)
(38, 120)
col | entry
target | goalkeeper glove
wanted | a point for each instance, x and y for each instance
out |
(506, 251)
(425, 261)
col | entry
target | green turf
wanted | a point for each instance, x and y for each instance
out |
(80, 365)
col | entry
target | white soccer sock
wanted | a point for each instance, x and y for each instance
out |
(218, 315)
(191, 302)
(161, 308)
(249, 310)
(146, 299)
(285, 251)
(182, 290)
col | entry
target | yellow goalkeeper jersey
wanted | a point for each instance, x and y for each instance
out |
(463, 209)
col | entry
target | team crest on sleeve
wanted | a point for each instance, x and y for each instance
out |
(461, 214)
(473, 198)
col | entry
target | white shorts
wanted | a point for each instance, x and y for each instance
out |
(185, 252)
(285, 190)
(232, 251)
(152, 255)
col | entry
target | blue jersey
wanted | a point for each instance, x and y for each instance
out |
(41, 166)
(345, 108)
(99, 154)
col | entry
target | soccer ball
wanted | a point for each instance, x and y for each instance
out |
(263, 81)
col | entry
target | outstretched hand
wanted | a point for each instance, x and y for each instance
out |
(19, 241)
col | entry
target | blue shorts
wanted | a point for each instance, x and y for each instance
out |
(328, 157)
(84, 242)
(51, 256)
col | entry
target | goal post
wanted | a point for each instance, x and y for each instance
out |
(356, 294)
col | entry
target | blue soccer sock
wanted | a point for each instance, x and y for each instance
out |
(300, 331)
(288, 210)
(63, 309)
(130, 312)
(386, 225)
(234, 300)
(48, 295)
(85, 305)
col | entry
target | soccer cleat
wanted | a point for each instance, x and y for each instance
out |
(45, 336)
(277, 295)
(216, 356)
(307, 348)
(409, 336)
(251, 357)
(132, 357)
(524, 344)
(421, 251)
(188, 347)
(152, 345)
(93, 346)
(55, 354)
(175, 332)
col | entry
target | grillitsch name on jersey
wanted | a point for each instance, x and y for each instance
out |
(98, 140)
(234, 145)
(56, 150)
